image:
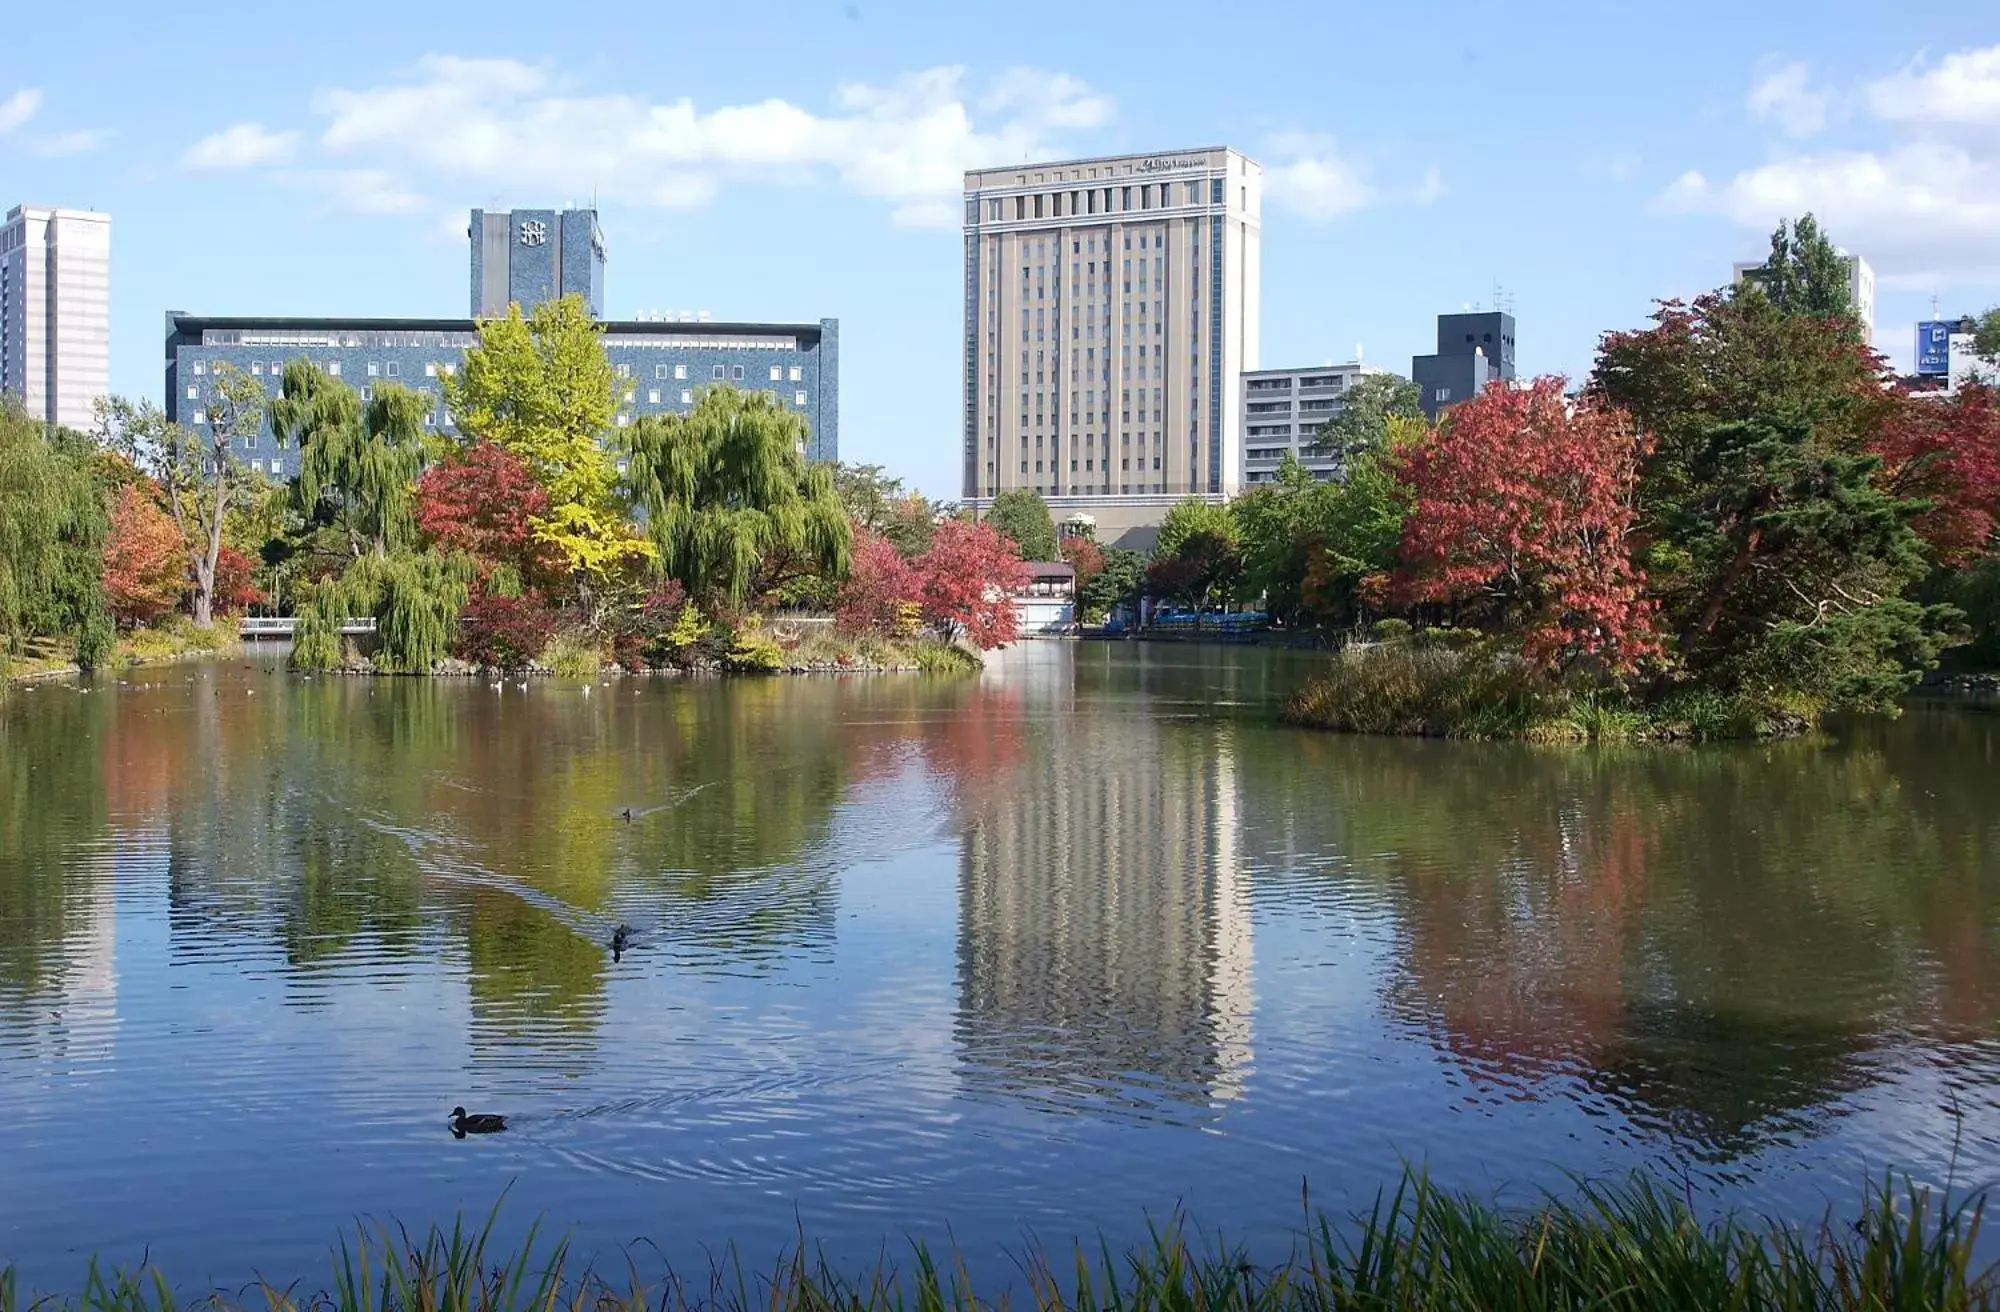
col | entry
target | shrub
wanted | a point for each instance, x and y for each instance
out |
(504, 633)
(636, 630)
(753, 651)
(1391, 630)
(573, 656)
(681, 643)
(936, 657)
(1427, 690)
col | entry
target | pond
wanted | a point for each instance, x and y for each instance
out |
(1053, 949)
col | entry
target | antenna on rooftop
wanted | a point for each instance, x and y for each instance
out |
(1503, 300)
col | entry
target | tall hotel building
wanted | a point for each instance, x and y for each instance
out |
(1111, 308)
(55, 312)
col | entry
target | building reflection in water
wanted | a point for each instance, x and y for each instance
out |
(1104, 938)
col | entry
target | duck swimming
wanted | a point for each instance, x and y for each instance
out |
(621, 938)
(484, 1123)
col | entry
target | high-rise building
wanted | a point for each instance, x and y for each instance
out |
(1860, 287)
(525, 257)
(1473, 349)
(1282, 413)
(1111, 307)
(55, 311)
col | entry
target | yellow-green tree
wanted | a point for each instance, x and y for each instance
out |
(728, 493)
(541, 388)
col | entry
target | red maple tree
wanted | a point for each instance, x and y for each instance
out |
(483, 500)
(967, 577)
(1085, 556)
(1946, 451)
(1523, 509)
(235, 582)
(145, 570)
(879, 583)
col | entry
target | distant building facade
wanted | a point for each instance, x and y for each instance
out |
(1282, 413)
(1111, 306)
(1860, 287)
(525, 257)
(55, 312)
(1473, 349)
(661, 364)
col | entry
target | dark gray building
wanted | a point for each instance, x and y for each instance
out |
(529, 256)
(1472, 351)
(525, 258)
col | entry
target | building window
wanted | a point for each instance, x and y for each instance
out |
(394, 369)
(736, 373)
(652, 396)
(332, 368)
(201, 416)
(680, 371)
(687, 397)
(430, 369)
(799, 398)
(717, 373)
(797, 373)
(624, 420)
(374, 368)
(200, 368)
(777, 373)
(193, 392)
(624, 371)
(659, 371)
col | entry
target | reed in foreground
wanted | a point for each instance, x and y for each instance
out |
(1617, 1247)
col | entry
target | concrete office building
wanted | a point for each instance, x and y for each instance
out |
(662, 363)
(1111, 307)
(1473, 349)
(525, 257)
(1860, 287)
(1282, 412)
(55, 312)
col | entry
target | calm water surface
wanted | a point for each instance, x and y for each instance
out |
(1048, 950)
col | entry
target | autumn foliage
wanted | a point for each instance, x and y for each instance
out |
(484, 501)
(145, 570)
(1946, 453)
(962, 583)
(236, 589)
(1523, 513)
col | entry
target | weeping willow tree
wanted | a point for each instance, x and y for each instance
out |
(414, 598)
(53, 525)
(728, 493)
(358, 464)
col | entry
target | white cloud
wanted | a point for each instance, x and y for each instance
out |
(241, 146)
(357, 191)
(1786, 97)
(1925, 205)
(1963, 91)
(1308, 175)
(498, 126)
(18, 109)
(77, 141)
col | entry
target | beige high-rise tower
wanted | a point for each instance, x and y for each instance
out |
(55, 312)
(1111, 308)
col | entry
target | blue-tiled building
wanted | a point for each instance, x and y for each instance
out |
(663, 364)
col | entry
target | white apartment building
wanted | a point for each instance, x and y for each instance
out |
(1282, 412)
(55, 311)
(1111, 307)
(1860, 287)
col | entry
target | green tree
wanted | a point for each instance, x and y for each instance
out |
(542, 389)
(1022, 515)
(1986, 336)
(357, 467)
(1779, 563)
(1307, 545)
(1805, 275)
(1362, 422)
(869, 494)
(197, 468)
(414, 599)
(1121, 579)
(728, 493)
(1190, 516)
(53, 526)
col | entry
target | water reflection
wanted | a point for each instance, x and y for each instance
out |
(1089, 916)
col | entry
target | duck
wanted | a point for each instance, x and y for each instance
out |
(621, 938)
(483, 1123)
(628, 815)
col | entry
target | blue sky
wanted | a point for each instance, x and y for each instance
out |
(793, 161)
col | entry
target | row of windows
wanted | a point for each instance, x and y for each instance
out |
(1099, 200)
(1124, 489)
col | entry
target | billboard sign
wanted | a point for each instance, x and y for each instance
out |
(1934, 347)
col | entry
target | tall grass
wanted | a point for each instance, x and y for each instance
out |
(1620, 1248)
